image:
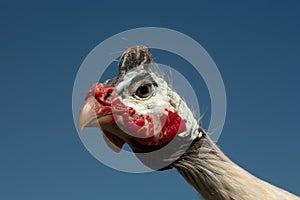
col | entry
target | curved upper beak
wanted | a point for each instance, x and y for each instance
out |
(97, 112)
(94, 114)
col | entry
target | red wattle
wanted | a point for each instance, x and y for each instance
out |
(142, 127)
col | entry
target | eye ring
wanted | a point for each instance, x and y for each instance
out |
(144, 91)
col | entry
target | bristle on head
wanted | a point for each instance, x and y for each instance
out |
(134, 57)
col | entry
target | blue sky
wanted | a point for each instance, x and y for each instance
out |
(254, 44)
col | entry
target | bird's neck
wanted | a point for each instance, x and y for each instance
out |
(215, 176)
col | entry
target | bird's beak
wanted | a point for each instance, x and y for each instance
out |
(94, 114)
(97, 112)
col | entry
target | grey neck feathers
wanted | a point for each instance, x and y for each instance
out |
(216, 177)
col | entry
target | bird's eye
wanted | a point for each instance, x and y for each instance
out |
(144, 91)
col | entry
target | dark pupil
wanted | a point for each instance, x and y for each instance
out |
(144, 91)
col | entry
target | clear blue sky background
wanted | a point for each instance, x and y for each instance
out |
(42, 44)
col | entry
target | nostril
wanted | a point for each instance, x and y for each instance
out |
(108, 97)
(95, 90)
(103, 94)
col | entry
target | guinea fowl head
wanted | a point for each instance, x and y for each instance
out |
(137, 107)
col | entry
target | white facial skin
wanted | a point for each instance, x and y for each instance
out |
(156, 104)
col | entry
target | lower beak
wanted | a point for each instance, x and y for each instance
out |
(94, 114)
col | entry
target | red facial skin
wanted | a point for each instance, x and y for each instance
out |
(100, 93)
(141, 127)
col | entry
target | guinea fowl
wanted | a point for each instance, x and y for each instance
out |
(138, 108)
